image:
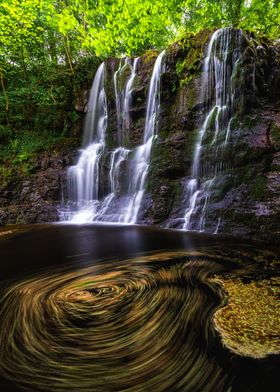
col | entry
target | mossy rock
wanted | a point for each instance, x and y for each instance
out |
(188, 66)
(149, 56)
(257, 189)
(6, 175)
(275, 135)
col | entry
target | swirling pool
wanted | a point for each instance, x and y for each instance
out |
(109, 308)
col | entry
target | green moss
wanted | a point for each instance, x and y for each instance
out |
(258, 188)
(149, 55)
(250, 121)
(193, 45)
(222, 185)
(122, 76)
(186, 68)
(275, 135)
(190, 144)
(275, 167)
(6, 174)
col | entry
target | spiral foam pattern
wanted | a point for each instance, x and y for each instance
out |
(143, 324)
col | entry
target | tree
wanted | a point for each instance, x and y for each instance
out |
(39, 34)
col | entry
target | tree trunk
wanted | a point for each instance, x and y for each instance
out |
(68, 53)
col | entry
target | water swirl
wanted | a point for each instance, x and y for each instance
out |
(143, 324)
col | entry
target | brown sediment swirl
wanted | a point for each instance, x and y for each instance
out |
(138, 325)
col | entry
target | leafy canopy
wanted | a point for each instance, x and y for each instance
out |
(44, 42)
(58, 30)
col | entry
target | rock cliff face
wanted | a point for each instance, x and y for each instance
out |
(34, 197)
(246, 197)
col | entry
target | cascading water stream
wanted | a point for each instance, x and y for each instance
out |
(120, 155)
(119, 94)
(127, 96)
(128, 169)
(123, 96)
(141, 161)
(83, 178)
(128, 202)
(222, 96)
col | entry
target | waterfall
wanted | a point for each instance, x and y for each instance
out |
(223, 98)
(119, 94)
(123, 96)
(141, 160)
(113, 207)
(84, 177)
(128, 169)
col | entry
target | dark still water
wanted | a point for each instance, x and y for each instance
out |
(127, 308)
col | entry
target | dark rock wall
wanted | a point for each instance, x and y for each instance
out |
(247, 198)
(34, 198)
(173, 150)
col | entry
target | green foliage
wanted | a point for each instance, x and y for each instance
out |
(18, 156)
(26, 143)
(52, 31)
(5, 135)
(50, 49)
(46, 100)
(180, 67)
(261, 16)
